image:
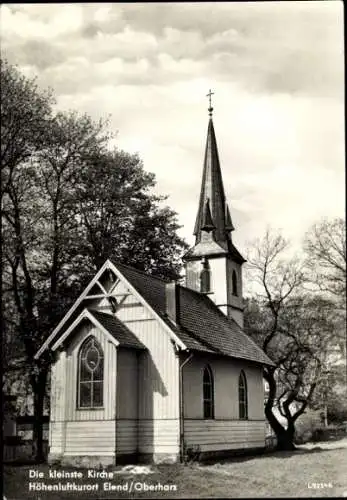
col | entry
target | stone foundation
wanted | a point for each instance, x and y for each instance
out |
(158, 458)
(211, 456)
(102, 462)
(83, 461)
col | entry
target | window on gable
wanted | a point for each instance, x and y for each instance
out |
(234, 283)
(208, 393)
(243, 406)
(90, 388)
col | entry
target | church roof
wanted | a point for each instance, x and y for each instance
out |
(200, 325)
(117, 329)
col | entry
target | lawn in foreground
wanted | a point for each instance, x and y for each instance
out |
(279, 474)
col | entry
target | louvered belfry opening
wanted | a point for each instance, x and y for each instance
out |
(205, 277)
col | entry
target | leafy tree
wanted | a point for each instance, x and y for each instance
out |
(331, 394)
(38, 221)
(25, 111)
(69, 204)
(122, 220)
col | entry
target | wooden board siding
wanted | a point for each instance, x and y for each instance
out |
(158, 398)
(127, 381)
(213, 435)
(90, 438)
(110, 367)
(159, 436)
(126, 432)
(226, 373)
(58, 388)
(158, 367)
(56, 437)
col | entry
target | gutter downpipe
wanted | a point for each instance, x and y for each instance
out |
(181, 404)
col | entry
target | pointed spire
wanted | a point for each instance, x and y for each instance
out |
(228, 222)
(213, 223)
(212, 191)
(207, 222)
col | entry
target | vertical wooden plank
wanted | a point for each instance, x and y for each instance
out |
(53, 395)
(110, 381)
(61, 387)
(70, 389)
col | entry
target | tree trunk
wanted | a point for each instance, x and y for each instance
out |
(39, 398)
(285, 438)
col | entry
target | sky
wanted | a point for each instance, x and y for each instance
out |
(277, 73)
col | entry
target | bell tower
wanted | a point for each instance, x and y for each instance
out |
(214, 265)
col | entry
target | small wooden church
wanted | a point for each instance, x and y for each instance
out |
(148, 370)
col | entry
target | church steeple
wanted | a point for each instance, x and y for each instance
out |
(214, 255)
(213, 225)
(212, 194)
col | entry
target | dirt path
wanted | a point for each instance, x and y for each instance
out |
(326, 445)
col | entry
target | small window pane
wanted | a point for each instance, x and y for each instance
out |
(97, 393)
(207, 391)
(207, 409)
(85, 394)
(98, 373)
(85, 374)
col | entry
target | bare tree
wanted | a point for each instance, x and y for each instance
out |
(325, 247)
(290, 327)
(325, 267)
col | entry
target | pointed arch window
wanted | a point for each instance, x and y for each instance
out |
(243, 405)
(205, 277)
(234, 283)
(208, 393)
(90, 390)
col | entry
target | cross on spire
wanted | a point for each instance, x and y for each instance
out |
(209, 95)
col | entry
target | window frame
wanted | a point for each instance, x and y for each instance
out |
(208, 402)
(243, 396)
(90, 343)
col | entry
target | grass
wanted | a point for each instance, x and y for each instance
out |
(279, 474)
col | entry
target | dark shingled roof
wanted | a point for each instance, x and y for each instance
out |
(117, 329)
(201, 326)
